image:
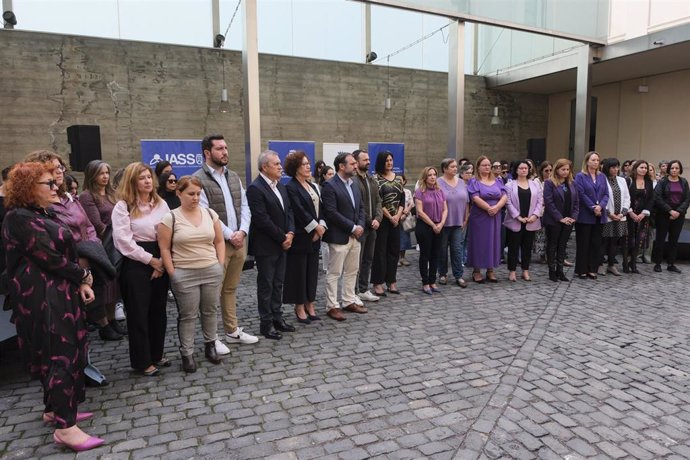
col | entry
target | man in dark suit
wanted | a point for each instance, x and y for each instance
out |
(344, 215)
(270, 236)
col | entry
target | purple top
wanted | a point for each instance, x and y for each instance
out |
(432, 202)
(70, 213)
(675, 193)
(98, 210)
(457, 199)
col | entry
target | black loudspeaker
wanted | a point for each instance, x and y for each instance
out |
(85, 143)
(536, 150)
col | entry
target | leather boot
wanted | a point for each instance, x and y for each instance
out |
(189, 364)
(210, 352)
(553, 276)
(561, 276)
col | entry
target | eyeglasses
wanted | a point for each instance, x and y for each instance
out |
(62, 168)
(50, 183)
(496, 166)
(172, 181)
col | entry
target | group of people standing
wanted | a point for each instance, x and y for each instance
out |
(610, 213)
(69, 258)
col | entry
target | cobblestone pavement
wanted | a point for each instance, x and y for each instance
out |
(586, 369)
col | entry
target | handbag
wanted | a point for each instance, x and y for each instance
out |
(409, 223)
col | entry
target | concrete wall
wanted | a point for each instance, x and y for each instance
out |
(631, 125)
(137, 90)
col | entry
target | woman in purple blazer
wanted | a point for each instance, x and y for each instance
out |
(523, 210)
(561, 207)
(593, 194)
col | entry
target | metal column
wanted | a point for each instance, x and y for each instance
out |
(366, 30)
(583, 104)
(250, 71)
(215, 19)
(456, 90)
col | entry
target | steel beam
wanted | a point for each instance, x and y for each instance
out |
(250, 73)
(456, 90)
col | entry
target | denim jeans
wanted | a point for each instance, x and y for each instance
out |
(455, 236)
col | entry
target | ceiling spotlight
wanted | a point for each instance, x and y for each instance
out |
(9, 18)
(371, 57)
(218, 41)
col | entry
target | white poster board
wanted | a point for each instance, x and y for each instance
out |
(332, 149)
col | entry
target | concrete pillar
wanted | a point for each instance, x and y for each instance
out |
(583, 105)
(456, 90)
(250, 72)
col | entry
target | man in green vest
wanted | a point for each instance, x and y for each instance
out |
(223, 192)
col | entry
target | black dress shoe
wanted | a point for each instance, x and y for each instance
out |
(117, 327)
(189, 364)
(553, 276)
(314, 317)
(108, 333)
(673, 268)
(282, 326)
(270, 333)
(562, 277)
(657, 268)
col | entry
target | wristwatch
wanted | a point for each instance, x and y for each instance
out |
(87, 272)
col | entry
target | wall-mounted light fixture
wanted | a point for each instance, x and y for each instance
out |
(10, 19)
(495, 119)
(224, 106)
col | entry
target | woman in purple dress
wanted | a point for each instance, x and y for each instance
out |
(488, 198)
(46, 289)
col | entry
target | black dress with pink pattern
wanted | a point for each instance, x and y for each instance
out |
(44, 279)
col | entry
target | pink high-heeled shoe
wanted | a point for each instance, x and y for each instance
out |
(81, 416)
(86, 445)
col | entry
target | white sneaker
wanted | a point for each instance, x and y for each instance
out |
(240, 337)
(120, 311)
(358, 301)
(369, 296)
(221, 349)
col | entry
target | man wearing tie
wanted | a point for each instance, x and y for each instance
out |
(270, 237)
(344, 215)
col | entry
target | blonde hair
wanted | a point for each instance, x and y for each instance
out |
(558, 165)
(587, 157)
(477, 174)
(423, 176)
(127, 189)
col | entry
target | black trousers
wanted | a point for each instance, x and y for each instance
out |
(269, 286)
(146, 301)
(588, 242)
(556, 240)
(519, 242)
(366, 258)
(384, 268)
(429, 251)
(672, 228)
(301, 277)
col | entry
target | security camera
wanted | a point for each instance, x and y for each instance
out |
(218, 41)
(371, 57)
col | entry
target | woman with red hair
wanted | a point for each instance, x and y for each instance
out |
(46, 289)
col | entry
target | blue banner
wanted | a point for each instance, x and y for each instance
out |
(283, 148)
(185, 156)
(398, 151)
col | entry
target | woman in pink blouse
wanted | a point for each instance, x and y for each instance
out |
(135, 221)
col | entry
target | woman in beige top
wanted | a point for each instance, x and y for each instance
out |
(193, 251)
